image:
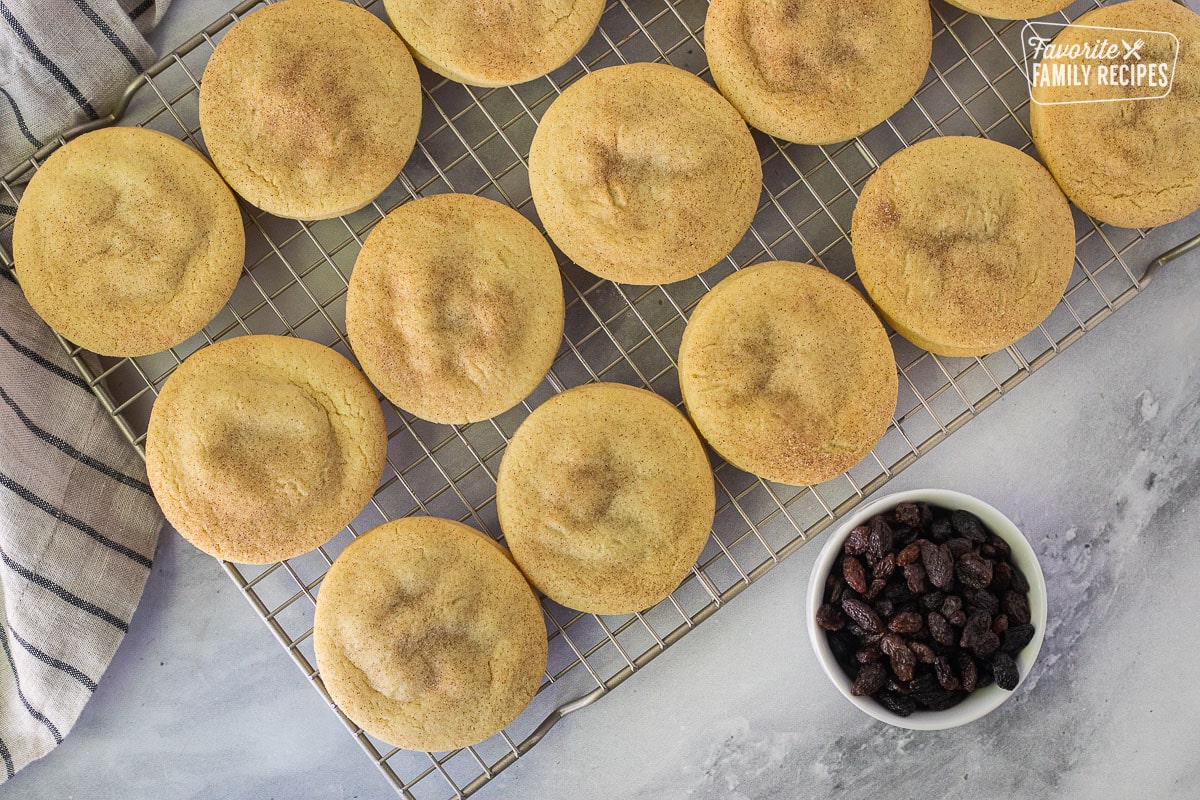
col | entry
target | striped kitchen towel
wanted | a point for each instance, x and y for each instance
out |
(78, 526)
(64, 62)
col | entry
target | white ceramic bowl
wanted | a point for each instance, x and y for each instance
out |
(979, 702)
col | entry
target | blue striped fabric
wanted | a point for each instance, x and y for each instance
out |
(78, 526)
(63, 63)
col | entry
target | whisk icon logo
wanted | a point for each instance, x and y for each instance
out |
(1091, 64)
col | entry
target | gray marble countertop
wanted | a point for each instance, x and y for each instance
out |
(1095, 457)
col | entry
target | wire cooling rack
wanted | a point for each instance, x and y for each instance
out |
(476, 141)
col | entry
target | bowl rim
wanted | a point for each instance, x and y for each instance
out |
(982, 701)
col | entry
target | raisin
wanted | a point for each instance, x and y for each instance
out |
(879, 543)
(884, 607)
(856, 541)
(898, 704)
(903, 662)
(959, 547)
(839, 592)
(945, 674)
(864, 616)
(1004, 670)
(940, 629)
(1001, 578)
(909, 554)
(868, 653)
(1016, 637)
(870, 679)
(968, 526)
(1001, 547)
(924, 653)
(923, 683)
(939, 566)
(968, 671)
(983, 600)
(914, 575)
(884, 567)
(1019, 583)
(891, 643)
(977, 624)
(933, 601)
(855, 575)
(940, 530)
(877, 586)
(974, 571)
(897, 592)
(1017, 607)
(957, 619)
(843, 644)
(908, 514)
(986, 644)
(830, 618)
(953, 603)
(906, 622)
(1000, 624)
(948, 700)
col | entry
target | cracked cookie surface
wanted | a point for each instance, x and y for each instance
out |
(310, 108)
(455, 308)
(127, 241)
(818, 71)
(494, 42)
(787, 372)
(261, 448)
(427, 635)
(963, 244)
(606, 498)
(644, 174)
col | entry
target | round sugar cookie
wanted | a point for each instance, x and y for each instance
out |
(1011, 9)
(788, 373)
(310, 108)
(1132, 163)
(606, 498)
(821, 71)
(455, 308)
(261, 448)
(494, 42)
(427, 635)
(963, 244)
(127, 241)
(644, 174)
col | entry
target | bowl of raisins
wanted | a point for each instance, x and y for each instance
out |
(927, 608)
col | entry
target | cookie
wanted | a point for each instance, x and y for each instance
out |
(494, 42)
(644, 174)
(261, 448)
(127, 242)
(963, 244)
(1132, 163)
(1011, 9)
(455, 308)
(820, 71)
(427, 636)
(606, 498)
(310, 108)
(787, 373)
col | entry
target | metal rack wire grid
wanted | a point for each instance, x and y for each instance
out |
(477, 141)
